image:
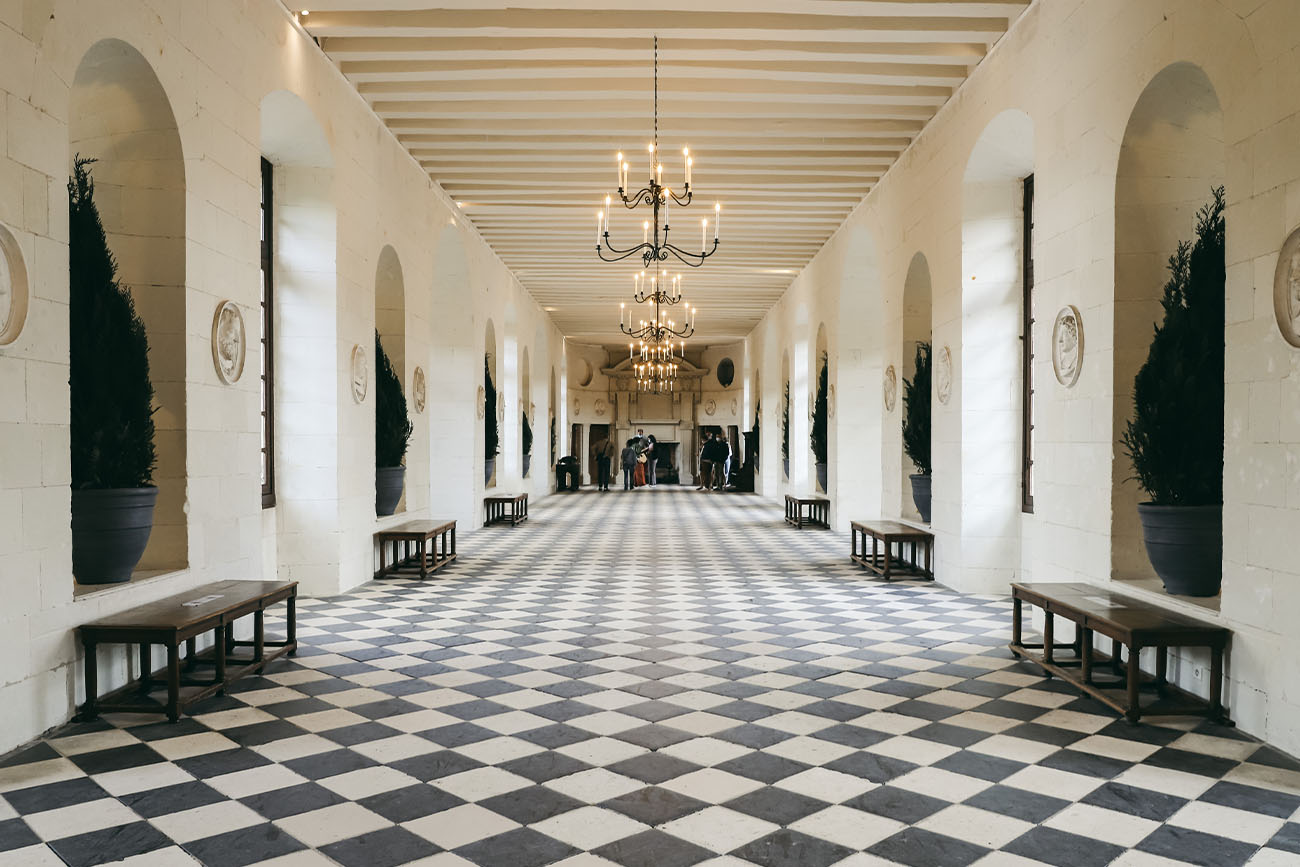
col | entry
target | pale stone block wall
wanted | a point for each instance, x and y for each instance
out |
(1077, 68)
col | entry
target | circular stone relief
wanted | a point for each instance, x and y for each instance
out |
(1286, 290)
(1067, 345)
(360, 373)
(599, 407)
(228, 340)
(890, 388)
(418, 389)
(13, 288)
(726, 372)
(710, 406)
(943, 375)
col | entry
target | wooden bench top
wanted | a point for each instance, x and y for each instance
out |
(806, 498)
(891, 530)
(1121, 614)
(504, 498)
(415, 530)
(185, 610)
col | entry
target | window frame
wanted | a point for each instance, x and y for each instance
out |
(1027, 347)
(267, 306)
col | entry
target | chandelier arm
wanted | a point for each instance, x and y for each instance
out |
(682, 200)
(632, 202)
(694, 260)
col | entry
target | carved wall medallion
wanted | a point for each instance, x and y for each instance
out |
(418, 389)
(13, 288)
(360, 373)
(890, 388)
(710, 406)
(830, 400)
(1286, 290)
(482, 402)
(501, 409)
(599, 407)
(943, 375)
(228, 342)
(1067, 345)
(577, 405)
(735, 406)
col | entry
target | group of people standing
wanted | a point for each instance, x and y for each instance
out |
(715, 462)
(637, 460)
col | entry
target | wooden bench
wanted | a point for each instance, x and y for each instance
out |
(1130, 624)
(801, 509)
(182, 618)
(498, 513)
(886, 538)
(424, 536)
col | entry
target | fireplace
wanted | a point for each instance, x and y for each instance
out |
(667, 471)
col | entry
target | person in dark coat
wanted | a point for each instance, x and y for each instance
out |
(604, 458)
(628, 459)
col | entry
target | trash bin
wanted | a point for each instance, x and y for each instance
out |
(566, 473)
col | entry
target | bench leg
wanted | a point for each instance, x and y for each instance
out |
(1017, 612)
(424, 563)
(89, 710)
(1049, 636)
(219, 655)
(259, 635)
(146, 669)
(173, 682)
(1134, 681)
(191, 653)
(291, 624)
(1216, 684)
(1162, 669)
(1085, 654)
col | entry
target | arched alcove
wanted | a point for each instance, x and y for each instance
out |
(120, 116)
(454, 377)
(300, 337)
(820, 365)
(552, 434)
(390, 320)
(917, 328)
(491, 382)
(785, 418)
(525, 411)
(988, 367)
(1170, 159)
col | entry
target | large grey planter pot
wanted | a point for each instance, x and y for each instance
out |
(1185, 546)
(821, 477)
(488, 466)
(110, 529)
(528, 462)
(785, 467)
(921, 494)
(388, 489)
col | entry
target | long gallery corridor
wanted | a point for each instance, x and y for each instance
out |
(650, 680)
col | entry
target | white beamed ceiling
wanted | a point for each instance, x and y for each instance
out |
(792, 111)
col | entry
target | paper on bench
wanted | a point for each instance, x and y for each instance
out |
(202, 600)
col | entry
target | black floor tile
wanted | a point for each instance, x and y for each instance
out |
(522, 847)
(919, 848)
(111, 844)
(292, 800)
(653, 849)
(531, 805)
(786, 848)
(1017, 803)
(1062, 849)
(1208, 850)
(387, 847)
(777, 805)
(655, 806)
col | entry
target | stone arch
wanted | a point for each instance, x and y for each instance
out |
(390, 323)
(493, 374)
(917, 328)
(303, 338)
(820, 360)
(1170, 158)
(120, 116)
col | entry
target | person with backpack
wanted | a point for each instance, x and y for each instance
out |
(628, 462)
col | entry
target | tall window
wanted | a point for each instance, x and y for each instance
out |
(268, 342)
(1027, 351)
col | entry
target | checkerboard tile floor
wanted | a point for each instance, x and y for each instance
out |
(652, 679)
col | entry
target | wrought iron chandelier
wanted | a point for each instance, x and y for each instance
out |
(655, 248)
(657, 367)
(661, 291)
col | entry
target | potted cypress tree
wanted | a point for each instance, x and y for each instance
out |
(490, 438)
(916, 429)
(785, 431)
(111, 430)
(819, 436)
(526, 435)
(1175, 438)
(392, 433)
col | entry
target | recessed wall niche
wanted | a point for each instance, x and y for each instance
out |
(120, 116)
(726, 372)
